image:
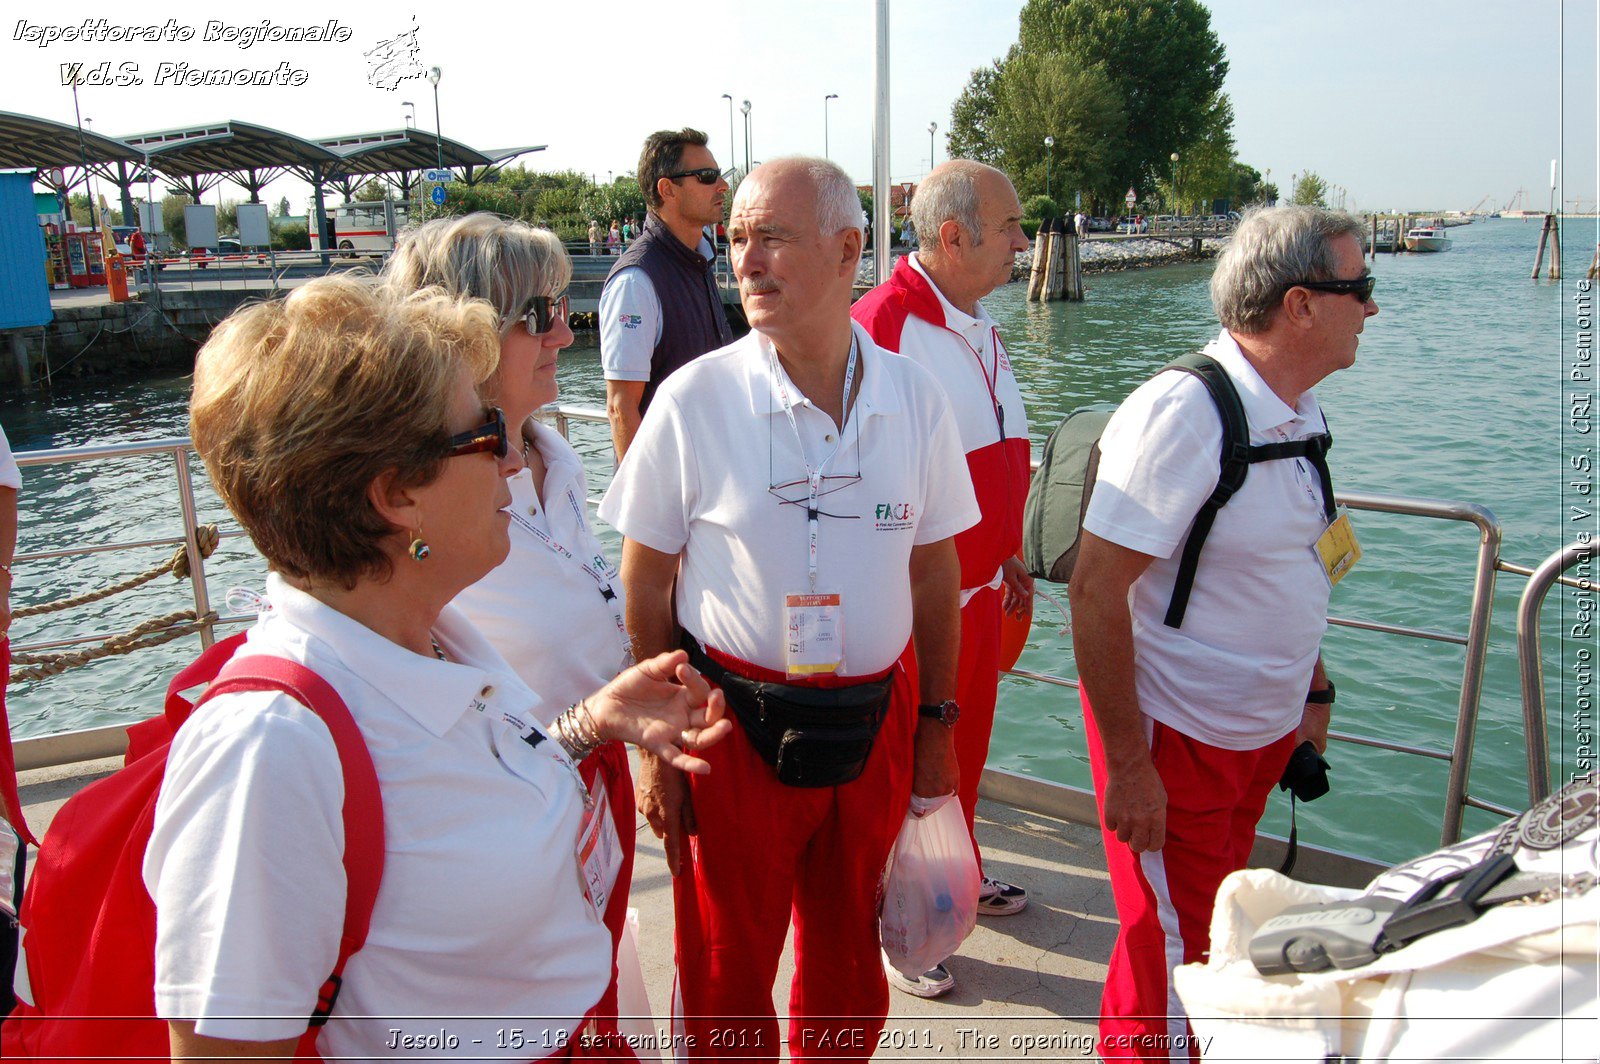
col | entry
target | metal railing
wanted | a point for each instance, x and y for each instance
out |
(1474, 640)
(1535, 723)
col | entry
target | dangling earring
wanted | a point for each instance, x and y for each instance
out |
(418, 549)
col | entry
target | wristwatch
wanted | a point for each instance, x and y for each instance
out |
(1323, 697)
(946, 712)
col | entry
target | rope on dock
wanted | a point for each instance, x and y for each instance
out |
(151, 633)
(178, 565)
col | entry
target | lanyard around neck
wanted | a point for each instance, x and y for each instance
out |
(813, 473)
(595, 571)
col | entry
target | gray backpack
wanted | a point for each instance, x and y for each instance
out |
(1058, 497)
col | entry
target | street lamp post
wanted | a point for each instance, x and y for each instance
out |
(411, 113)
(744, 109)
(1177, 208)
(434, 73)
(825, 99)
(931, 160)
(733, 147)
(1049, 152)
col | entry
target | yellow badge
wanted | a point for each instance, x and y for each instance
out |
(1337, 548)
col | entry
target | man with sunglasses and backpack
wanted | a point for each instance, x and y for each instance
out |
(1201, 669)
(661, 307)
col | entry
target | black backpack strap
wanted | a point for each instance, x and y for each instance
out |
(1235, 465)
(1313, 449)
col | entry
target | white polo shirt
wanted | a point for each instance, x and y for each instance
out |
(479, 915)
(630, 321)
(968, 357)
(10, 473)
(716, 458)
(540, 608)
(1236, 674)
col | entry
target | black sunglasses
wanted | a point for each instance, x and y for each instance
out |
(1360, 287)
(706, 175)
(490, 436)
(543, 312)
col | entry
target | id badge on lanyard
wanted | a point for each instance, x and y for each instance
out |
(599, 848)
(813, 620)
(1337, 549)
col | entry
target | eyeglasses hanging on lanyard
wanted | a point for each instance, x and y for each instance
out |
(814, 474)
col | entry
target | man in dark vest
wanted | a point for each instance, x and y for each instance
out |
(660, 307)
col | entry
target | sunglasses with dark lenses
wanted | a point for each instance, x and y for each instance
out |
(1360, 287)
(543, 313)
(490, 436)
(706, 175)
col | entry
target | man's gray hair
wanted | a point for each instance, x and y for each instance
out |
(1273, 249)
(949, 194)
(837, 204)
(484, 256)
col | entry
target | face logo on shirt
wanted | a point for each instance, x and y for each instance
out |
(630, 321)
(894, 516)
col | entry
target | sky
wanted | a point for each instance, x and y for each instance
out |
(1405, 104)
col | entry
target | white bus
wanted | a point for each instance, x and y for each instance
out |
(361, 225)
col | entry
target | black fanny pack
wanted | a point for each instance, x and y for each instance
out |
(811, 736)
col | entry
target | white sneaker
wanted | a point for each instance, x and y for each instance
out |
(935, 982)
(1000, 899)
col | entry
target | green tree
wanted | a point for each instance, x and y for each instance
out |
(618, 200)
(228, 218)
(971, 134)
(1039, 208)
(1310, 190)
(1049, 95)
(1161, 58)
(374, 191)
(283, 207)
(293, 237)
(172, 219)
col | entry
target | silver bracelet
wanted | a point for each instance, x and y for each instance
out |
(570, 734)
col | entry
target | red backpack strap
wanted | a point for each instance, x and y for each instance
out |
(363, 804)
(200, 671)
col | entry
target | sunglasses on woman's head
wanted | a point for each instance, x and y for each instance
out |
(490, 436)
(543, 313)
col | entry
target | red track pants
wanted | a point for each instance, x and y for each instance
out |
(977, 682)
(766, 850)
(1164, 897)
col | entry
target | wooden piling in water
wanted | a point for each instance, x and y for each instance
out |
(1036, 272)
(1074, 292)
(1056, 283)
(1555, 247)
(1372, 249)
(1538, 258)
(1594, 264)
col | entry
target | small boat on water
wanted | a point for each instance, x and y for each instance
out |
(1426, 238)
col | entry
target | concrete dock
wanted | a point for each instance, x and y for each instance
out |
(1027, 986)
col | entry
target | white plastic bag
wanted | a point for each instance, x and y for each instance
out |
(930, 896)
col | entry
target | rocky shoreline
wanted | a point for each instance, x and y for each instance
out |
(1099, 256)
(1112, 256)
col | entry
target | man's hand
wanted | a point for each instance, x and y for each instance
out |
(935, 772)
(1136, 806)
(662, 794)
(1314, 726)
(1018, 584)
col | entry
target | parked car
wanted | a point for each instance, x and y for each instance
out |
(1101, 225)
(120, 234)
(229, 246)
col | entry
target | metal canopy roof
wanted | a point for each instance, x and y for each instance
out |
(228, 147)
(398, 150)
(27, 142)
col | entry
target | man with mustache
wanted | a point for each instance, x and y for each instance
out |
(796, 497)
(661, 307)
